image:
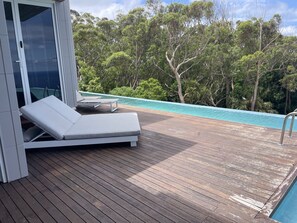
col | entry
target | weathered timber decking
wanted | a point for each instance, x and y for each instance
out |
(185, 169)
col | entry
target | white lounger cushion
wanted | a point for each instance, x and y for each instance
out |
(63, 109)
(47, 118)
(62, 122)
(104, 125)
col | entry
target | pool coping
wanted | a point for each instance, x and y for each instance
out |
(277, 197)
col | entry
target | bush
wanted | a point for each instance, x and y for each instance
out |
(123, 91)
(88, 80)
(150, 89)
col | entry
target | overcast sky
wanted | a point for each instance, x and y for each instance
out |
(238, 9)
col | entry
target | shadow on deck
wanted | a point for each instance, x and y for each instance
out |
(185, 169)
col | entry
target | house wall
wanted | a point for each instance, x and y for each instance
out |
(10, 127)
(64, 30)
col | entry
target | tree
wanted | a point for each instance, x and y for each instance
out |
(88, 81)
(217, 61)
(123, 91)
(289, 82)
(91, 46)
(150, 89)
(118, 72)
(134, 41)
(185, 37)
(89, 41)
(194, 53)
(257, 40)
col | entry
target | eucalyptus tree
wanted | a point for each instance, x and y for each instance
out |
(217, 63)
(289, 80)
(190, 51)
(117, 70)
(92, 43)
(134, 40)
(257, 40)
(88, 38)
(183, 37)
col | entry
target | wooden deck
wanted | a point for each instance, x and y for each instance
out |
(185, 169)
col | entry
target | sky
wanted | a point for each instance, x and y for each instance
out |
(237, 9)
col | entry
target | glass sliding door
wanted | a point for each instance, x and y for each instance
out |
(10, 23)
(40, 50)
(33, 47)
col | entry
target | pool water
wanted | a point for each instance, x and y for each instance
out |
(286, 212)
(233, 115)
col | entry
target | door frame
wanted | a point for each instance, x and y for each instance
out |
(21, 51)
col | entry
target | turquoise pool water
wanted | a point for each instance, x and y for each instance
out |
(233, 115)
(286, 212)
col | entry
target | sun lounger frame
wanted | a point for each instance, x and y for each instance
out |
(77, 142)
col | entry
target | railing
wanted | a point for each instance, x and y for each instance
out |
(292, 114)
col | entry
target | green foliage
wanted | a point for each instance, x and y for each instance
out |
(117, 70)
(265, 106)
(94, 85)
(123, 91)
(289, 82)
(117, 59)
(88, 80)
(210, 60)
(196, 93)
(150, 89)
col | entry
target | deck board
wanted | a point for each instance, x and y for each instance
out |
(44, 200)
(117, 182)
(90, 193)
(11, 207)
(184, 169)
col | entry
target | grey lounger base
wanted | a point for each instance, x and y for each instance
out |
(76, 142)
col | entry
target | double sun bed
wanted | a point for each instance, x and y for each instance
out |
(69, 128)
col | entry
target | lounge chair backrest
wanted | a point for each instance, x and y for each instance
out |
(51, 115)
(62, 108)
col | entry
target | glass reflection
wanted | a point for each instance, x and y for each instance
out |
(40, 50)
(14, 53)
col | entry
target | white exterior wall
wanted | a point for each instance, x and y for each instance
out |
(10, 127)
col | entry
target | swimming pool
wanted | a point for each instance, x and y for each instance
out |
(247, 117)
(286, 212)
